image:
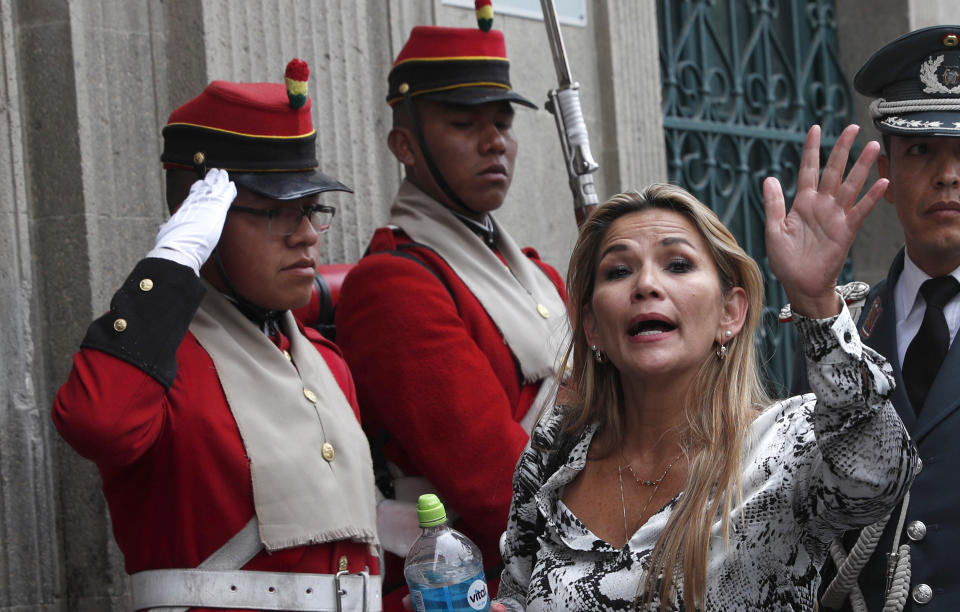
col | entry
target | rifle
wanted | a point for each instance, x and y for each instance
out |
(564, 103)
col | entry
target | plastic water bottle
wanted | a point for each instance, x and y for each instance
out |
(444, 568)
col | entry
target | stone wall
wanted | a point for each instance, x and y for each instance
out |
(87, 86)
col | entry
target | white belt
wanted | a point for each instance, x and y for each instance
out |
(256, 590)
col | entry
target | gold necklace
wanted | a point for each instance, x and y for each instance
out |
(650, 483)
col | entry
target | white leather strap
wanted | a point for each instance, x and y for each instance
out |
(238, 551)
(341, 592)
(234, 554)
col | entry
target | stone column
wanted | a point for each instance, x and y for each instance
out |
(30, 576)
(88, 85)
(628, 63)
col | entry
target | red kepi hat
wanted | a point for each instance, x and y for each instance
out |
(261, 133)
(453, 65)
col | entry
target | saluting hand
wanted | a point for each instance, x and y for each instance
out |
(191, 234)
(808, 246)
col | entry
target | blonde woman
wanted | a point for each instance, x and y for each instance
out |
(665, 478)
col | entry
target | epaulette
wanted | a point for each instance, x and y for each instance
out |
(853, 293)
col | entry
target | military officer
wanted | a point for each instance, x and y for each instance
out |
(225, 433)
(912, 316)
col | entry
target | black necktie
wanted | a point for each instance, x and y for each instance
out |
(929, 347)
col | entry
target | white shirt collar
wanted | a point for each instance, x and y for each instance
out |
(911, 307)
(907, 293)
(908, 288)
(485, 225)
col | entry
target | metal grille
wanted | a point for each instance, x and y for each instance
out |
(742, 82)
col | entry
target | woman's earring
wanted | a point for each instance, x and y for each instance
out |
(722, 350)
(598, 355)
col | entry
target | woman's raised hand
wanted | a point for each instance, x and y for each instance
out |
(808, 246)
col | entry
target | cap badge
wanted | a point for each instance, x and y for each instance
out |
(950, 79)
(295, 76)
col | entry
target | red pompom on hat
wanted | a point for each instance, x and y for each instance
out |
(254, 131)
(297, 70)
(453, 65)
(295, 76)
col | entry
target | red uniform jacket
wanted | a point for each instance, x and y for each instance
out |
(174, 470)
(434, 374)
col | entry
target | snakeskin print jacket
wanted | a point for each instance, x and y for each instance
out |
(813, 466)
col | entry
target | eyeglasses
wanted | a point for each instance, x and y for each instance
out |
(284, 220)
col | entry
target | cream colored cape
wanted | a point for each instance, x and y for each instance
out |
(515, 296)
(286, 411)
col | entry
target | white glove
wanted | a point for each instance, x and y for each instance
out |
(190, 235)
(397, 525)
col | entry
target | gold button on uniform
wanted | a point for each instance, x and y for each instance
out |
(922, 593)
(916, 530)
(120, 325)
(543, 311)
(146, 284)
(310, 395)
(327, 451)
(286, 354)
(342, 564)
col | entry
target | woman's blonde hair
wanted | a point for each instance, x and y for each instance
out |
(719, 406)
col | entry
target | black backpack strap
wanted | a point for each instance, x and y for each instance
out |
(381, 474)
(325, 322)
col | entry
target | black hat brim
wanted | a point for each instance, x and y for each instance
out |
(287, 185)
(472, 96)
(926, 123)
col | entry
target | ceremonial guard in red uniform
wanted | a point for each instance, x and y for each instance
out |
(226, 434)
(450, 328)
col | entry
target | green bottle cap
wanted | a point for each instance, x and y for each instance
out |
(430, 511)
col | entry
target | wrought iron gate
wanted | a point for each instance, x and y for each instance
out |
(742, 81)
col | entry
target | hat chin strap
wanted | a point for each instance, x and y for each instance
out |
(428, 158)
(265, 318)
